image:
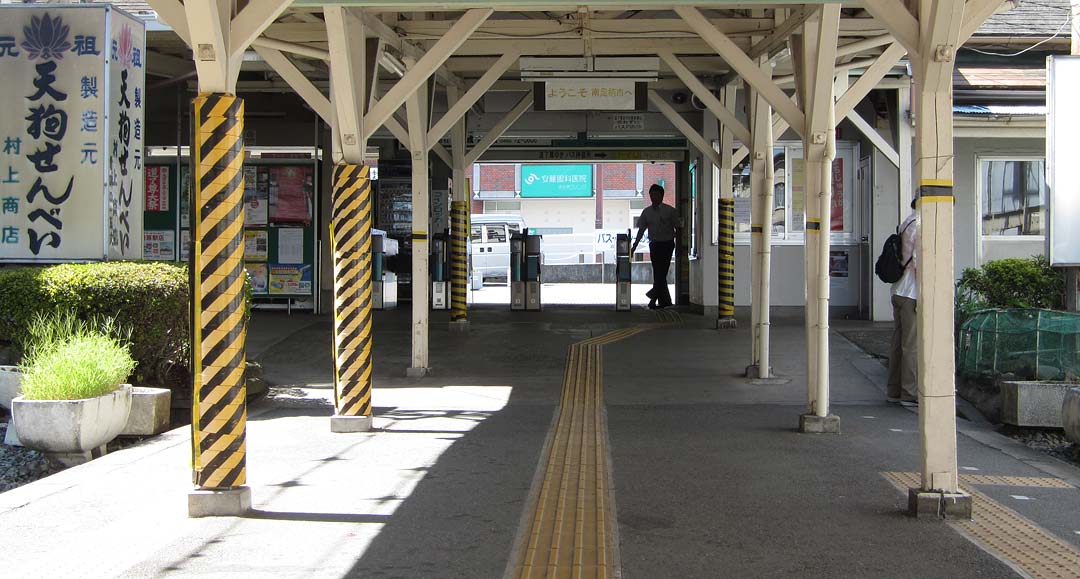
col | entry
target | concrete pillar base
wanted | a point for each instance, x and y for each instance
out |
(939, 505)
(70, 459)
(753, 371)
(814, 424)
(414, 372)
(232, 502)
(459, 326)
(726, 324)
(340, 423)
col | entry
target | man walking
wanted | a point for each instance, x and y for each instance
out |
(662, 222)
(903, 361)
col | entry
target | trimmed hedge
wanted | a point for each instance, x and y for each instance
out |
(150, 298)
(1009, 283)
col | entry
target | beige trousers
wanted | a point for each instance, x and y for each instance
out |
(903, 360)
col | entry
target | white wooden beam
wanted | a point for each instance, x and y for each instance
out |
(975, 13)
(345, 33)
(208, 27)
(898, 19)
(731, 122)
(418, 74)
(779, 35)
(477, 90)
(293, 47)
(869, 79)
(779, 127)
(875, 138)
(246, 26)
(500, 127)
(400, 133)
(172, 13)
(299, 83)
(738, 60)
(688, 131)
(405, 48)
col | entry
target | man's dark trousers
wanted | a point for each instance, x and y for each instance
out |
(660, 253)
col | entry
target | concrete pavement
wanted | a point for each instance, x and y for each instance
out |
(710, 478)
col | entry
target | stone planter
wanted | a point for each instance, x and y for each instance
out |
(149, 411)
(10, 384)
(72, 431)
(1070, 414)
(1029, 403)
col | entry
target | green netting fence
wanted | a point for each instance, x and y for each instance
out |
(1029, 344)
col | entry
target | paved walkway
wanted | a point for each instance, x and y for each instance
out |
(706, 476)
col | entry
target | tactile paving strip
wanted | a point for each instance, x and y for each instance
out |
(1008, 534)
(1045, 482)
(570, 533)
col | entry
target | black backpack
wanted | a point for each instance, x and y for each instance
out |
(889, 266)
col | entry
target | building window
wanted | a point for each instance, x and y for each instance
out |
(1013, 196)
(502, 207)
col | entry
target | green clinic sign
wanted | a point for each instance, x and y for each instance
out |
(556, 181)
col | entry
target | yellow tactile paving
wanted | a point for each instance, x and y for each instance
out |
(571, 527)
(1008, 534)
(1046, 482)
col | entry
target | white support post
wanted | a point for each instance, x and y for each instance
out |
(726, 274)
(208, 29)
(939, 493)
(819, 148)
(761, 191)
(348, 47)
(416, 110)
(904, 148)
(459, 214)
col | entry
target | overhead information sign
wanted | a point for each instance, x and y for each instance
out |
(1062, 151)
(590, 94)
(556, 180)
(71, 178)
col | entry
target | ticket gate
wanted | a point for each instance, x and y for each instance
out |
(623, 278)
(525, 281)
(440, 271)
(383, 283)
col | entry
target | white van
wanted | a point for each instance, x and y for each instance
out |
(490, 241)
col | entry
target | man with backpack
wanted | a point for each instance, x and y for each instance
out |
(903, 362)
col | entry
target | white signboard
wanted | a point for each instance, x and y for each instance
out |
(589, 94)
(63, 134)
(1062, 151)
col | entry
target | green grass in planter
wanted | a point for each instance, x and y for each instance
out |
(82, 366)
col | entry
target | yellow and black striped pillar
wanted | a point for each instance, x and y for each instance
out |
(219, 408)
(350, 236)
(459, 261)
(727, 262)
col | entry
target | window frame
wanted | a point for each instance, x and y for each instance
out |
(979, 198)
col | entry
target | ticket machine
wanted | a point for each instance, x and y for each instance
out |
(623, 279)
(383, 283)
(440, 271)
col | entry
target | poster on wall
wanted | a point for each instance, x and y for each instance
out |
(56, 159)
(290, 191)
(837, 201)
(256, 200)
(290, 280)
(185, 243)
(157, 188)
(126, 48)
(256, 245)
(159, 245)
(798, 195)
(259, 277)
(290, 247)
(184, 197)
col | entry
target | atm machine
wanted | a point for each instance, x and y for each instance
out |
(623, 279)
(383, 283)
(440, 271)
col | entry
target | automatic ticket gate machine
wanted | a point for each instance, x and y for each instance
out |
(440, 271)
(383, 283)
(525, 272)
(623, 278)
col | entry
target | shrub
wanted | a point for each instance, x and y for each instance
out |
(69, 358)
(148, 299)
(1009, 283)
